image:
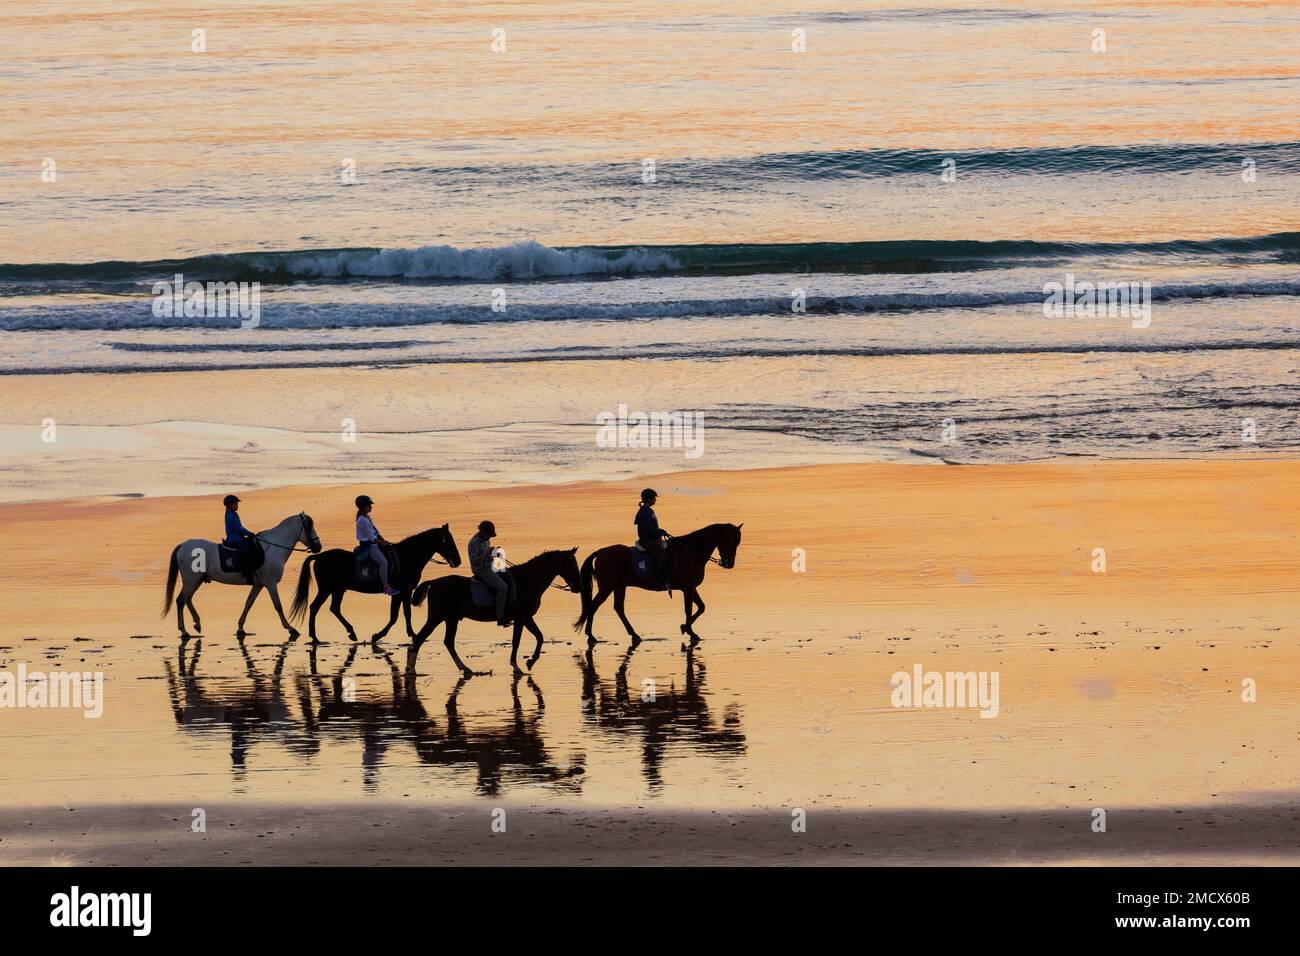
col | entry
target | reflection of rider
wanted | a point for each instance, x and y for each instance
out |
(370, 539)
(237, 536)
(480, 562)
(650, 536)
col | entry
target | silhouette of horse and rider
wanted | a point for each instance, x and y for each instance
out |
(509, 597)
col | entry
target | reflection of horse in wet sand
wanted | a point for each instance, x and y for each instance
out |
(513, 751)
(615, 569)
(451, 601)
(257, 712)
(662, 717)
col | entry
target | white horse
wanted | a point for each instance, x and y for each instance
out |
(197, 561)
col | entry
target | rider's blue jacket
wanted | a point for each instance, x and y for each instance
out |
(647, 525)
(236, 533)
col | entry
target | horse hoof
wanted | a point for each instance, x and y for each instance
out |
(198, 628)
(683, 628)
(293, 635)
(591, 641)
(376, 638)
(352, 635)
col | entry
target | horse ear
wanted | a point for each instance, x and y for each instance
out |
(739, 526)
(573, 551)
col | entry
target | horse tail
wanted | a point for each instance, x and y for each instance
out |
(585, 616)
(420, 593)
(173, 569)
(300, 593)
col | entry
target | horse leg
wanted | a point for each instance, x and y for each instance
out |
(619, 595)
(514, 649)
(274, 591)
(253, 592)
(601, 595)
(536, 631)
(181, 600)
(336, 605)
(321, 597)
(689, 597)
(392, 619)
(406, 609)
(450, 644)
(198, 628)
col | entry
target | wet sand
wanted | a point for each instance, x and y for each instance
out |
(1119, 690)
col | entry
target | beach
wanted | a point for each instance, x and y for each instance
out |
(979, 322)
(1118, 690)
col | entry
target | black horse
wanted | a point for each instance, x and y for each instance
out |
(451, 601)
(336, 573)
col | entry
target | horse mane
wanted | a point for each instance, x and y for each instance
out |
(420, 535)
(538, 557)
(692, 537)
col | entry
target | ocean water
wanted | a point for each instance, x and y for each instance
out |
(875, 219)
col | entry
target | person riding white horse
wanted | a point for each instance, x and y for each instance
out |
(197, 561)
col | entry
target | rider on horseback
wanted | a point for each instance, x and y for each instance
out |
(371, 541)
(480, 562)
(650, 536)
(237, 536)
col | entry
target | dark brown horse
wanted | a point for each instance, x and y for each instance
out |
(614, 569)
(336, 573)
(451, 601)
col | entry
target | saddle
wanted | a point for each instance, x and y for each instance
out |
(646, 568)
(484, 596)
(368, 571)
(232, 559)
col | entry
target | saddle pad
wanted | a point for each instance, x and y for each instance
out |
(643, 565)
(232, 559)
(484, 596)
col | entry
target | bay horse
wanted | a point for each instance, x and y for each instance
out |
(197, 561)
(336, 574)
(614, 570)
(451, 601)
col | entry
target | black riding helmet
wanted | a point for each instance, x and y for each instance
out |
(648, 493)
(487, 528)
(230, 500)
(363, 500)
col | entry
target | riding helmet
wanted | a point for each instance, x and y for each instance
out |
(649, 493)
(488, 528)
(230, 500)
(363, 500)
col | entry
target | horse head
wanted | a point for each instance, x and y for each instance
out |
(569, 570)
(307, 533)
(447, 547)
(728, 543)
